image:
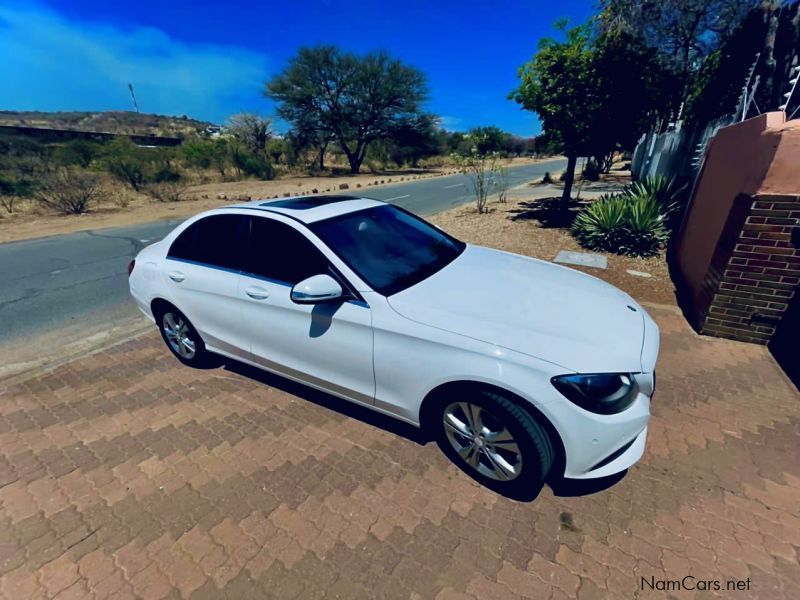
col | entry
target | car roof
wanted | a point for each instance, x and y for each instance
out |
(310, 209)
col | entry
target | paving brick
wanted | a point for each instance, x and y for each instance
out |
(124, 474)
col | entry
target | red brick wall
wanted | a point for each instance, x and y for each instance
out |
(755, 270)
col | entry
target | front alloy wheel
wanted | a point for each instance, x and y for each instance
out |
(482, 441)
(495, 441)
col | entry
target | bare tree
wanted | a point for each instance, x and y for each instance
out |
(252, 131)
(68, 191)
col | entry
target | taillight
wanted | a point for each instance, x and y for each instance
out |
(130, 266)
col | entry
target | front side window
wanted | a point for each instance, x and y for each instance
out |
(387, 247)
(218, 240)
(280, 252)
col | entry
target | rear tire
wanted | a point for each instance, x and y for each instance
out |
(182, 338)
(494, 441)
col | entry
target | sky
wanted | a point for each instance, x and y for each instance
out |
(209, 60)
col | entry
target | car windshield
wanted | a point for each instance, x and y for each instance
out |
(389, 248)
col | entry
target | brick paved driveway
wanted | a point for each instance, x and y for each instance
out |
(126, 475)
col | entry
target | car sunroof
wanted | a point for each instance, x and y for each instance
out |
(309, 202)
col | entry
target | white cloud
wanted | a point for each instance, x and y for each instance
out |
(50, 63)
(451, 123)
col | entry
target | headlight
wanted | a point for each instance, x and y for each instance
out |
(602, 393)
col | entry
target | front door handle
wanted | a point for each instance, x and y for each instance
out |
(257, 293)
(176, 276)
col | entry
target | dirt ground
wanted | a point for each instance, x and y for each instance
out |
(126, 207)
(530, 225)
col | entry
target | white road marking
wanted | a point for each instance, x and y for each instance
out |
(447, 187)
(397, 198)
(144, 241)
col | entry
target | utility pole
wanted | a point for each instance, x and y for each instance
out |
(135, 104)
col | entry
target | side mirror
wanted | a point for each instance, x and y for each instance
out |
(317, 289)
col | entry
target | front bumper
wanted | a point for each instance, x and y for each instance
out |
(600, 445)
(631, 452)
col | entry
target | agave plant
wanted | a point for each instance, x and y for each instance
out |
(601, 225)
(646, 226)
(664, 191)
(633, 225)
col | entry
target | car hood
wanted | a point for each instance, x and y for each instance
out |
(538, 308)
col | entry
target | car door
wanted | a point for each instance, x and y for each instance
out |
(202, 271)
(327, 345)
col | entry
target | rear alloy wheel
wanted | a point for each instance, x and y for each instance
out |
(182, 338)
(495, 442)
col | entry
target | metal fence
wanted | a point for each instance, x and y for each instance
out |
(678, 153)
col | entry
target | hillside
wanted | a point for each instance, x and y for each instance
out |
(126, 122)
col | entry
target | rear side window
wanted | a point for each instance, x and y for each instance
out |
(218, 240)
(280, 252)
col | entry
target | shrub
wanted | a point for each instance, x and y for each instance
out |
(126, 162)
(77, 152)
(11, 190)
(206, 154)
(479, 169)
(624, 224)
(254, 165)
(68, 191)
(166, 174)
(166, 191)
(591, 170)
(502, 183)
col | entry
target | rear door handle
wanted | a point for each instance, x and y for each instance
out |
(257, 293)
(176, 276)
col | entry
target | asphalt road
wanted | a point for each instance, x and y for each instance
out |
(78, 280)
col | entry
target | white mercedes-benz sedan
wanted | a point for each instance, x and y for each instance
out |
(518, 368)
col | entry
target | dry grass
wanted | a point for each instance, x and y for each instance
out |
(125, 207)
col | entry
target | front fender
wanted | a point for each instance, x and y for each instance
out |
(412, 363)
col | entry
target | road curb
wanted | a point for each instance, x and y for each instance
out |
(49, 365)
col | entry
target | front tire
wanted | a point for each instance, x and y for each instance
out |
(182, 338)
(495, 442)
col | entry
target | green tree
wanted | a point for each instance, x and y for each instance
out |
(351, 99)
(489, 139)
(412, 140)
(559, 85)
(769, 32)
(309, 132)
(632, 90)
(684, 32)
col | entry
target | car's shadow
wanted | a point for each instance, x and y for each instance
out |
(343, 407)
(560, 486)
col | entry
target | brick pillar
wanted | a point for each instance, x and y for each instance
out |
(755, 270)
